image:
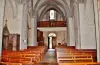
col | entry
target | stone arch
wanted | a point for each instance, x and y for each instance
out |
(47, 8)
(14, 7)
(52, 34)
(65, 9)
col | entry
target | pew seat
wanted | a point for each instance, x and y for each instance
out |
(8, 63)
(83, 63)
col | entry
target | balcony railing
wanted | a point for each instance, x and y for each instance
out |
(52, 24)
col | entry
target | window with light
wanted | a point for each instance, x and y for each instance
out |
(52, 15)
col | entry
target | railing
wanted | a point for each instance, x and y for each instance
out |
(52, 24)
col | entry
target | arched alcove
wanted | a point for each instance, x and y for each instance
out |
(52, 40)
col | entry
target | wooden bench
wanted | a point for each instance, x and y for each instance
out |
(84, 63)
(8, 63)
(28, 56)
(75, 58)
(69, 54)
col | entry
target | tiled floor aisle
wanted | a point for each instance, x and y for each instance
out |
(49, 58)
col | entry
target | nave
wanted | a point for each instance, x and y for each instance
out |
(40, 55)
(49, 58)
(28, 28)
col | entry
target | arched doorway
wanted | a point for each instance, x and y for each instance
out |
(51, 41)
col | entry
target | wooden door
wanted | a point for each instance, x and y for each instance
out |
(53, 42)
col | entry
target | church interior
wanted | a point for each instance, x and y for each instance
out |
(49, 32)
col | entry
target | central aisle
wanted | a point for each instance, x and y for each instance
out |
(49, 58)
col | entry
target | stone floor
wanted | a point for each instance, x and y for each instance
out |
(49, 58)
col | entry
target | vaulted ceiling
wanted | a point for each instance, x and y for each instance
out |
(40, 7)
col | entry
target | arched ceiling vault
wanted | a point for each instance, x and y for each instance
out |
(47, 8)
(13, 6)
(57, 5)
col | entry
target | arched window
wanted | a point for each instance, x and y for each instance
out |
(52, 14)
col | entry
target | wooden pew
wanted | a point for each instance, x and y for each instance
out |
(70, 55)
(84, 63)
(29, 56)
(75, 58)
(8, 63)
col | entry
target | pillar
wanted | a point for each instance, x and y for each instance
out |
(71, 38)
(87, 28)
(22, 19)
(2, 4)
(24, 27)
(76, 26)
(97, 21)
(33, 32)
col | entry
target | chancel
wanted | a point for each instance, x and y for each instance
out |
(49, 32)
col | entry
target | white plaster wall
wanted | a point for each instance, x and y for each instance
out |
(61, 35)
(13, 24)
(45, 35)
(18, 24)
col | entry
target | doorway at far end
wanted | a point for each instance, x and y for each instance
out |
(52, 41)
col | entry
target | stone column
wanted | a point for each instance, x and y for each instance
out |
(97, 24)
(2, 5)
(87, 28)
(33, 32)
(22, 19)
(71, 38)
(76, 26)
(81, 19)
(24, 26)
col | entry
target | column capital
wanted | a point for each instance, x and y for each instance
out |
(69, 17)
(79, 1)
(34, 17)
(22, 1)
